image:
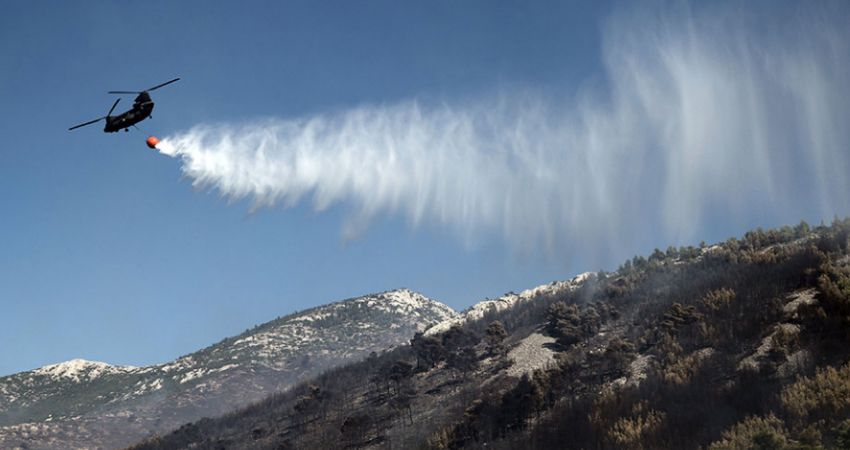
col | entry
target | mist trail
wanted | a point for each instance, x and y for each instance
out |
(705, 115)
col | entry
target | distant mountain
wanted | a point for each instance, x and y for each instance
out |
(87, 405)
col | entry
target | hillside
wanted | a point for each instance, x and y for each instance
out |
(739, 345)
(81, 404)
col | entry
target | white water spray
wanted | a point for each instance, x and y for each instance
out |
(702, 119)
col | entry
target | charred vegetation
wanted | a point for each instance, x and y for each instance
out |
(740, 345)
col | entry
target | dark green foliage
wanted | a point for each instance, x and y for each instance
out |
(626, 269)
(590, 321)
(821, 398)
(672, 252)
(834, 294)
(495, 336)
(809, 439)
(569, 325)
(565, 324)
(843, 440)
(657, 255)
(767, 440)
(525, 400)
(678, 317)
(400, 371)
(689, 253)
(617, 356)
(428, 350)
(458, 343)
(458, 338)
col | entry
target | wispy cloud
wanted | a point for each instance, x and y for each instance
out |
(703, 115)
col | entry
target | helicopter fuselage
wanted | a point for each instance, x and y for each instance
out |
(141, 111)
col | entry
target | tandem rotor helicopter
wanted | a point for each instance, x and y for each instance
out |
(142, 108)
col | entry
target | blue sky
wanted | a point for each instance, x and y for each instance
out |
(594, 131)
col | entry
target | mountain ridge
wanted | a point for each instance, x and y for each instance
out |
(268, 358)
(509, 300)
(735, 346)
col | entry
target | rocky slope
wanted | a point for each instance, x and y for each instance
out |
(82, 404)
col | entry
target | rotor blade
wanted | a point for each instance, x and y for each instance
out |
(87, 123)
(151, 89)
(113, 107)
(163, 84)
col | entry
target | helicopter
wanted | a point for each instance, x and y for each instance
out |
(142, 108)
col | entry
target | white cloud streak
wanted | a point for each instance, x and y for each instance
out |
(707, 115)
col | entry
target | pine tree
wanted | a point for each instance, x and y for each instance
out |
(495, 336)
